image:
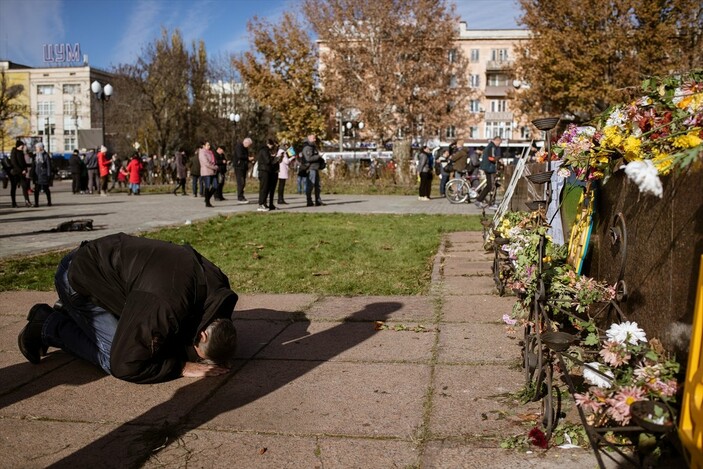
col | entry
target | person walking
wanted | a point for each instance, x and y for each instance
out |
(489, 160)
(265, 163)
(75, 165)
(41, 174)
(314, 162)
(18, 174)
(240, 163)
(143, 310)
(195, 174)
(181, 172)
(424, 170)
(104, 169)
(114, 172)
(91, 163)
(208, 172)
(221, 161)
(286, 155)
(134, 168)
(444, 169)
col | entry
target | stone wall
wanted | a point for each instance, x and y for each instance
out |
(662, 255)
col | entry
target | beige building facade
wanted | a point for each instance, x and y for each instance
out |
(59, 103)
(491, 55)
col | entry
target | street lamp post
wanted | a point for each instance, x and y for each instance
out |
(102, 94)
(47, 132)
(234, 119)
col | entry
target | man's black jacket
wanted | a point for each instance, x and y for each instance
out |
(164, 295)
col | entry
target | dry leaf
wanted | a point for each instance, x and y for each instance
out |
(262, 450)
(378, 325)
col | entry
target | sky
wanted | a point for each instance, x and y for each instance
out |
(112, 32)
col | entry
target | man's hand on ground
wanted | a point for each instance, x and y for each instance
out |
(198, 370)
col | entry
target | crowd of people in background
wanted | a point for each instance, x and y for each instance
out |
(98, 171)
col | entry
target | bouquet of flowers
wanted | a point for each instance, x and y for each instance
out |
(630, 369)
(648, 137)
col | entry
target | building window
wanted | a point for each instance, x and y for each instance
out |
(474, 105)
(72, 89)
(499, 105)
(498, 129)
(45, 108)
(474, 81)
(45, 89)
(452, 81)
(473, 132)
(451, 132)
(525, 133)
(474, 55)
(452, 56)
(497, 80)
(69, 144)
(499, 55)
(69, 108)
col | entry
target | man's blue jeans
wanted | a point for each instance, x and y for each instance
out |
(82, 329)
(313, 184)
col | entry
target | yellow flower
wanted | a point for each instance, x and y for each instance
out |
(611, 137)
(662, 161)
(632, 147)
(689, 140)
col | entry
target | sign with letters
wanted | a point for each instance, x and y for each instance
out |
(62, 53)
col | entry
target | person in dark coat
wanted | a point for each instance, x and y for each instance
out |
(143, 310)
(181, 172)
(18, 173)
(489, 162)
(314, 162)
(75, 165)
(265, 160)
(240, 163)
(41, 174)
(195, 175)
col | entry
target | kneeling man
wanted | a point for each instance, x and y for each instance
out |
(143, 310)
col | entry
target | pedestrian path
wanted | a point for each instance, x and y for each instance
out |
(321, 382)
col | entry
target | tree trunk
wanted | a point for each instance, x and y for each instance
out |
(402, 153)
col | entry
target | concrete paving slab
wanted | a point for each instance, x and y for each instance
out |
(476, 308)
(473, 402)
(475, 343)
(454, 266)
(465, 237)
(270, 306)
(372, 400)
(374, 308)
(33, 444)
(362, 453)
(16, 371)
(469, 285)
(79, 389)
(254, 335)
(18, 303)
(453, 455)
(371, 345)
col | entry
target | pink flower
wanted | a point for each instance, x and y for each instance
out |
(588, 402)
(620, 403)
(615, 354)
(508, 320)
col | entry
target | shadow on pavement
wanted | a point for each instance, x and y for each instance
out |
(134, 442)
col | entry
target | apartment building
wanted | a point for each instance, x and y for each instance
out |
(491, 55)
(59, 103)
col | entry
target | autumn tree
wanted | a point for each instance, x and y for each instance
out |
(10, 107)
(394, 62)
(159, 82)
(281, 74)
(582, 57)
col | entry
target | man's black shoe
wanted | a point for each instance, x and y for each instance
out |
(318, 204)
(29, 339)
(310, 204)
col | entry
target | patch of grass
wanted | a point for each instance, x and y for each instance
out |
(328, 254)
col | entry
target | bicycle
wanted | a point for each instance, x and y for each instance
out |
(460, 189)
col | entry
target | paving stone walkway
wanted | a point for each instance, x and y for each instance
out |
(322, 382)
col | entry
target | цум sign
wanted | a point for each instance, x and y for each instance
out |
(62, 52)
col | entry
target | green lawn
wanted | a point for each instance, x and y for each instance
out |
(332, 254)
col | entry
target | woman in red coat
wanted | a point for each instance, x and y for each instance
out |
(134, 169)
(104, 167)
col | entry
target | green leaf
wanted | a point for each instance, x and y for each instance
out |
(591, 339)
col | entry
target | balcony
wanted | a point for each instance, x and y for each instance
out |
(499, 116)
(497, 91)
(494, 65)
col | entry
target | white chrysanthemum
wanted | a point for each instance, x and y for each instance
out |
(586, 131)
(645, 101)
(645, 175)
(617, 117)
(597, 379)
(564, 172)
(628, 332)
(679, 94)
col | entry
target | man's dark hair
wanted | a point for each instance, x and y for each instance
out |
(222, 342)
